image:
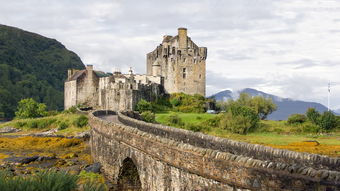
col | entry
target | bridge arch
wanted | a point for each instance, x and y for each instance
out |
(128, 177)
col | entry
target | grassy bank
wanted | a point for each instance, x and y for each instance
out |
(278, 134)
(68, 124)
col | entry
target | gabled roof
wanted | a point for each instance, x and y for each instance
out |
(77, 74)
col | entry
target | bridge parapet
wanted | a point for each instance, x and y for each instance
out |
(184, 160)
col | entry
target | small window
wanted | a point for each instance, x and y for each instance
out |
(173, 50)
(184, 73)
(200, 76)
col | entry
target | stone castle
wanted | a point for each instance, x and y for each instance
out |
(176, 65)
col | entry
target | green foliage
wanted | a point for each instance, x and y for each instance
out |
(328, 121)
(239, 119)
(93, 186)
(72, 109)
(296, 118)
(188, 103)
(143, 105)
(197, 127)
(175, 120)
(29, 108)
(148, 116)
(32, 66)
(313, 115)
(62, 125)
(93, 181)
(310, 128)
(81, 121)
(262, 106)
(40, 123)
(42, 181)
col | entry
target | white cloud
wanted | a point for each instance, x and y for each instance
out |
(290, 48)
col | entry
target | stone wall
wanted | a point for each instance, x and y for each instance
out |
(191, 162)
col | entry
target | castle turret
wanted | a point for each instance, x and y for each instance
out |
(182, 38)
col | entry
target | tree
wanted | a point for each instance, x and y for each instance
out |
(313, 115)
(29, 108)
(239, 119)
(143, 105)
(296, 118)
(328, 121)
(262, 106)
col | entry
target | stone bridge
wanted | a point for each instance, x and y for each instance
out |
(156, 157)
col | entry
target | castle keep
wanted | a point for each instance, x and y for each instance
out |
(181, 62)
(176, 65)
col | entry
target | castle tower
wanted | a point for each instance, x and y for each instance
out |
(181, 62)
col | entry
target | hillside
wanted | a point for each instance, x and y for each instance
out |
(32, 66)
(285, 106)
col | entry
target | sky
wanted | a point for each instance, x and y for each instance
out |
(289, 48)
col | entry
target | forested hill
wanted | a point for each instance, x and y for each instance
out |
(32, 66)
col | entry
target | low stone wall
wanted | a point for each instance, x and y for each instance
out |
(202, 159)
(234, 147)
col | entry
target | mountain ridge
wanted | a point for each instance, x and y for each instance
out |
(285, 106)
(32, 65)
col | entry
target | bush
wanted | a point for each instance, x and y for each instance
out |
(72, 109)
(313, 115)
(28, 108)
(62, 125)
(328, 121)
(81, 121)
(197, 127)
(148, 116)
(310, 128)
(239, 119)
(143, 105)
(174, 119)
(296, 118)
(213, 122)
(188, 103)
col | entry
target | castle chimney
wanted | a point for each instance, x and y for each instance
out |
(89, 67)
(182, 38)
(69, 74)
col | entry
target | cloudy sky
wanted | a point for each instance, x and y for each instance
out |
(290, 48)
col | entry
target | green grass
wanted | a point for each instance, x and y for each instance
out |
(268, 132)
(193, 118)
(68, 121)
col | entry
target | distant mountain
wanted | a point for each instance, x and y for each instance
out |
(285, 106)
(32, 66)
(337, 111)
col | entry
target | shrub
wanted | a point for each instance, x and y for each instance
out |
(187, 103)
(72, 109)
(213, 122)
(296, 118)
(148, 116)
(313, 115)
(81, 121)
(29, 108)
(62, 125)
(45, 122)
(143, 105)
(328, 121)
(197, 127)
(174, 119)
(310, 128)
(239, 119)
